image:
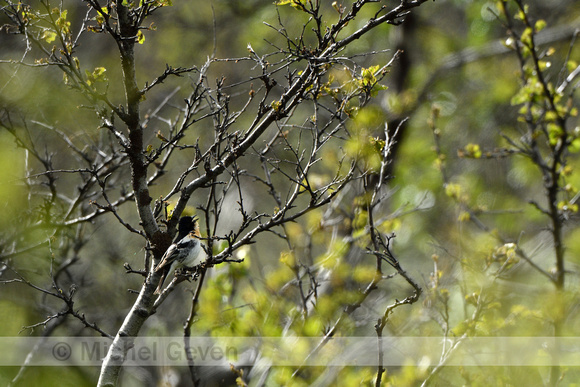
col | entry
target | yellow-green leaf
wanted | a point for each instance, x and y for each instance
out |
(540, 25)
(48, 36)
(140, 37)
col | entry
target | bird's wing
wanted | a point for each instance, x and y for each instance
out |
(170, 255)
(186, 243)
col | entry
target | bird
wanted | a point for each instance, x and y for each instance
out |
(183, 252)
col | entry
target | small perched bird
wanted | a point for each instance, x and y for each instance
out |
(183, 252)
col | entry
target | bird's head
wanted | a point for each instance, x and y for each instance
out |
(187, 224)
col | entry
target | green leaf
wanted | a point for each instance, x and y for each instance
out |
(464, 216)
(140, 37)
(453, 190)
(526, 37)
(48, 36)
(472, 150)
(543, 65)
(99, 71)
(574, 146)
(98, 75)
(276, 105)
(520, 97)
(551, 116)
(298, 4)
(540, 25)
(555, 132)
